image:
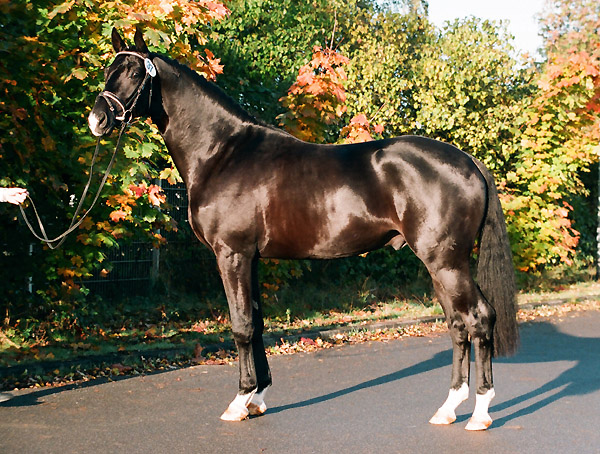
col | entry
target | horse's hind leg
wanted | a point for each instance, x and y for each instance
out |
(461, 356)
(471, 321)
(236, 273)
(481, 319)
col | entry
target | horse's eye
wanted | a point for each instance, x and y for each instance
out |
(135, 74)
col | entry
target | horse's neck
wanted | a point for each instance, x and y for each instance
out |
(196, 123)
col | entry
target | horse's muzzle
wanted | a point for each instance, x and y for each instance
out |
(101, 121)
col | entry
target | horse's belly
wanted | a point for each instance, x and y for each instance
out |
(340, 222)
(355, 237)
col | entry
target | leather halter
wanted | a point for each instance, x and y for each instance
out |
(114, 101)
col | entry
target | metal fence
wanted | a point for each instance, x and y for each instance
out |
(132, 270)
(137, 266)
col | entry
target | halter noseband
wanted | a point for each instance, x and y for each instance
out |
(112, 99)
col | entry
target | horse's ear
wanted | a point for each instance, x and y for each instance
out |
(117, 42)
(139, 42)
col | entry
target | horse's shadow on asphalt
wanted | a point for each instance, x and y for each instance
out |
(31, 399)
(541, 343)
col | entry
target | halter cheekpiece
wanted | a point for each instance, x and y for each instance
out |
(114, 101)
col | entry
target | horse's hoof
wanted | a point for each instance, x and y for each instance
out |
(480, 420)
(235, 413)
(475, 424)
(257, 410)
(443, 417)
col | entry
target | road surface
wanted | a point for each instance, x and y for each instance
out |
(368, 398)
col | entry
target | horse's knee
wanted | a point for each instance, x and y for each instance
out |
(247, 335)
(243, 336)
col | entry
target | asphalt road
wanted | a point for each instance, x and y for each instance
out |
(368, 398)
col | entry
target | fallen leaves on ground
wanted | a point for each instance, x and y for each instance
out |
(226, 356)
(545, 311)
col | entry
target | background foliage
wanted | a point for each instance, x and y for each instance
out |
(328, 71)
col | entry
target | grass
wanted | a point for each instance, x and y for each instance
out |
(568, 292)
(182, 331)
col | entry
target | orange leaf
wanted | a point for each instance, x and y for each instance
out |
(360, 119)
(118, 215)
(155, 196)
(139, 190)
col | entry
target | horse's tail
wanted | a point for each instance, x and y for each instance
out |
(495, 271)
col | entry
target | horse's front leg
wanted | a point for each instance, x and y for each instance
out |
(257, 405)
(236, 273)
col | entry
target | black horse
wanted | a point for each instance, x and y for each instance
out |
(256, 191)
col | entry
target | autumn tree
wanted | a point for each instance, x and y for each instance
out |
(51, 71)
(317, 99)
(560, 137)
(385, 49)
(265, 42)
(470, 92)
(570, 26)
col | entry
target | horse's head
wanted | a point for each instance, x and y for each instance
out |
(128, 86)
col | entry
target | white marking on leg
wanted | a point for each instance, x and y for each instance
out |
(237, 409)
(446, 414)
(257, 405)
(481, 419)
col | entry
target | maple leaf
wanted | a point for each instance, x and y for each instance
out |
(360, 119)
(169, 174)
(166, 7)
(154, 195)
(118, 215)
(83, 238)
(138, 190)
(87, 224)
(340, 93)
(218, 10)
(77, 261)
(315, 89)
(306, 77)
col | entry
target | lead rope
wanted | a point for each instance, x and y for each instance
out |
(74, 224)
(150, 73)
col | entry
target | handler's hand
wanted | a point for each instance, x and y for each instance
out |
(15, 196)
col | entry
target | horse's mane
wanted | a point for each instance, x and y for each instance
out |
(215, 92)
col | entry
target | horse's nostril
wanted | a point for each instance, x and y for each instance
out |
(102, 120)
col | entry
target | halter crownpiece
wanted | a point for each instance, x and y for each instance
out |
(150, 68)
